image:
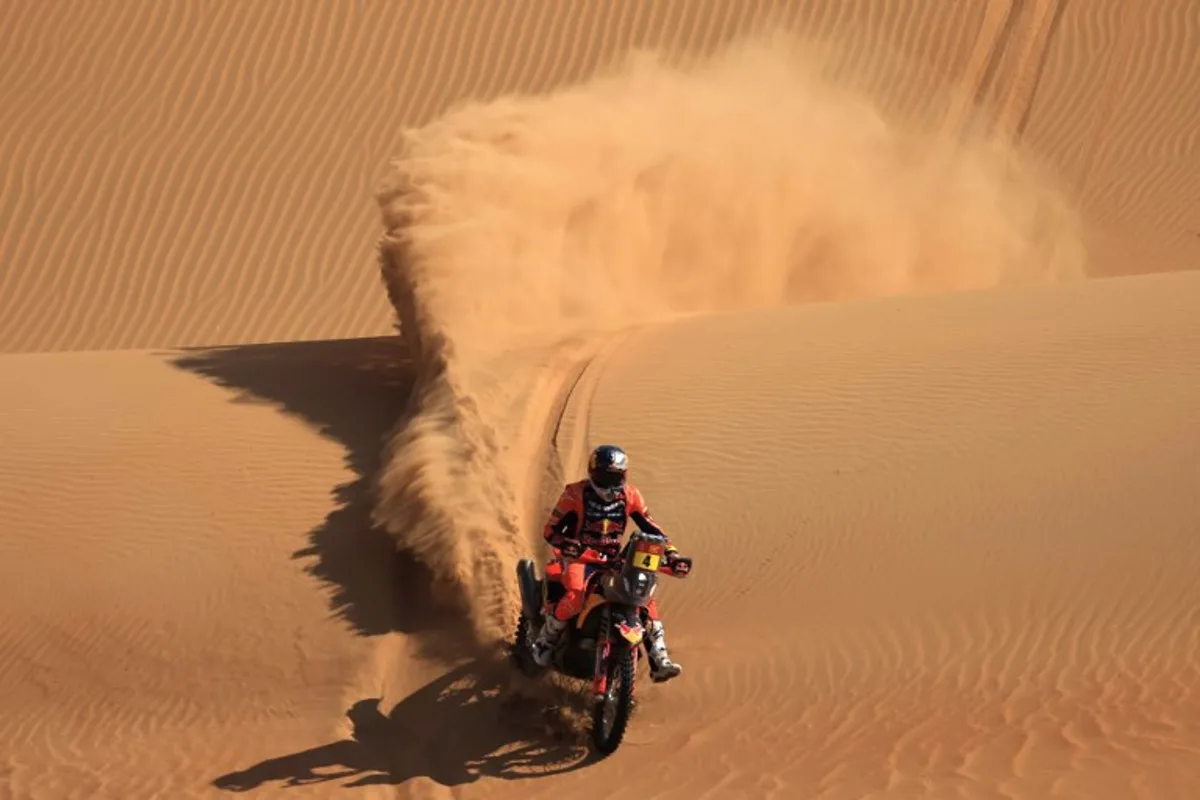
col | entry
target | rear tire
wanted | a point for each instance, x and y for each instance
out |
(530, 589)
(522, 652)
(607, 740)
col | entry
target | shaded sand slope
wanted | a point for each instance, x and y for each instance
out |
(197, 173)
(183, 590)
(945, 547)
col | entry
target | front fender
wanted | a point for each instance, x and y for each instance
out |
(634, 634)
(628, 624)
(593, 602)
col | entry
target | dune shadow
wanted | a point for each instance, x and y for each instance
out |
(460, 727)
(353, 391)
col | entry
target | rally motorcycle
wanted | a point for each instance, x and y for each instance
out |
(601, 643)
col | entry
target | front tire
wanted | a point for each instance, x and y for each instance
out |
(606, 735)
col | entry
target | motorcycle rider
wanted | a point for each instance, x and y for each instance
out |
(592, 513)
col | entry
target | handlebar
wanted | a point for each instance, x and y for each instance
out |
(589, 556)
(592, 556)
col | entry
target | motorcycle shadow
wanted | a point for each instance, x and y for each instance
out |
(470, 723)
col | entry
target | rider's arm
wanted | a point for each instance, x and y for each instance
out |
(564, 517)
(640, 514)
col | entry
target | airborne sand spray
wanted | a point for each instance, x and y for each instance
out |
(655, 190)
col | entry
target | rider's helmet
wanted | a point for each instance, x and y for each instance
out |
(606, 470)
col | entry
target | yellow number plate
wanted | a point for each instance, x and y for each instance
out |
(646, 561)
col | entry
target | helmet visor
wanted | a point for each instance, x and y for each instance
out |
(608, 479)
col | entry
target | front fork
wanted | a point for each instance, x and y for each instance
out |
(603, 649)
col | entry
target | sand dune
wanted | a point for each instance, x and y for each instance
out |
(942, 541)
(181, 587)
(201, 174)
(946, 552)
(944, 546)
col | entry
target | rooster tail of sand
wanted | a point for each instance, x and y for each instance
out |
(753, 179)
(441, 492)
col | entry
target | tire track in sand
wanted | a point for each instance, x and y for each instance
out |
(573, 418)
(980, 72)
(565, 425)
(1043, 18)
(1005, 66)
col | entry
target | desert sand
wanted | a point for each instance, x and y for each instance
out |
(306, 312)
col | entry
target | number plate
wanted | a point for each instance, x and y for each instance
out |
(647, 556)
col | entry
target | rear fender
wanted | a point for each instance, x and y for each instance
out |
(531, 589)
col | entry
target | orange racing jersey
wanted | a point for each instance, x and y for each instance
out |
(582, 515)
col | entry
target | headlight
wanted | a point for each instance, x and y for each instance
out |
(638, 586)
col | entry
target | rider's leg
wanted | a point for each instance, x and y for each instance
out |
(574, 579)
(662, 667)
(575, 576)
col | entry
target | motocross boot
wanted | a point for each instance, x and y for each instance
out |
(662, 668)
(543, 646)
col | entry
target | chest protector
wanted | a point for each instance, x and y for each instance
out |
(603, 524)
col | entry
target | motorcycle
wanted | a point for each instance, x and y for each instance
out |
(602, 641)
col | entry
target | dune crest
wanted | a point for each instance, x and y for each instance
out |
(659, 189)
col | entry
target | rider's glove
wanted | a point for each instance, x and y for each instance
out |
(680, 565)
(570, 548)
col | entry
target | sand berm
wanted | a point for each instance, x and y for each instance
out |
(660, 188)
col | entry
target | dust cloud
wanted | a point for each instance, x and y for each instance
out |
(656, 189)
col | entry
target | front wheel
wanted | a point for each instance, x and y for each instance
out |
(611, 715)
